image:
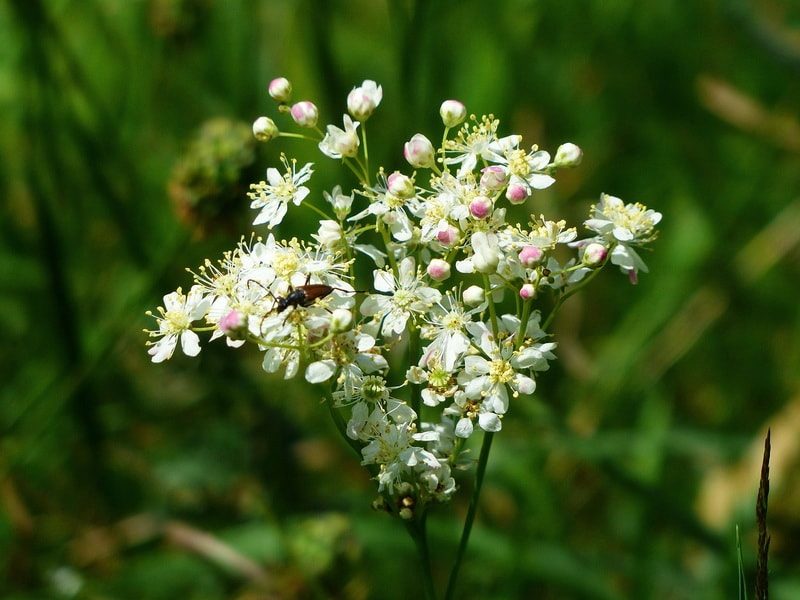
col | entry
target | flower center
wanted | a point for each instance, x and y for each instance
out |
(453, 321)
(373, 388)
(285, 264)
(500, 371)
(518, 163)
(403, 298)
(285, 190)
(393, 201)
(178, 320)
(438, 378)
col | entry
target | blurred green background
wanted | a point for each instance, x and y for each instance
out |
(125, 157)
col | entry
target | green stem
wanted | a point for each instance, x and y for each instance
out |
(417, 531)
(413, 355)
(341, 427)
(319, 211)
(298, 136)
(523, 323)
(366, 151)
(487, 287)
(389, 253)
(566, 295)
(473, 509)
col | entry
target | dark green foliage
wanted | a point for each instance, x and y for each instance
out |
(208, 479)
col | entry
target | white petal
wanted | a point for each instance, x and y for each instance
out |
(320, 371)
(190, 343)
(464, 428)
(384, 281)
(163, 349)
(539, 181)
(374, 304)
(490, 422)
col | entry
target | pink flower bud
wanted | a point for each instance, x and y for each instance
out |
(305, 113)
(438, 269)
(527, 291)
(480, 207)
(516, 193)
(280, 89)
(401, 185)
(447, 236)
(494, 178)
(232, 323)
(594, 254)
(530, 256)
(452, 112)
(264, 129)
(419, 151)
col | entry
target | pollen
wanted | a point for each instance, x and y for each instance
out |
(500, 371)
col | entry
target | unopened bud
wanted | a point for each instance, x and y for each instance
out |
(452, 112)
(494, 178)
(280, 89)
(438, 269)
(233, 325)
(264, 129)
(516, 193)
(527, 291)
(594, 254)
(305, 113)
(568, 155)
(474, 295)
(401, 185)
(406, 513)
(447, 236)
(480, 207)
(530, 256)
(419, 151)
(341, 320)
(364, 99)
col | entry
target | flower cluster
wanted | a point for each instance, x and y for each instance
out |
(457, 289)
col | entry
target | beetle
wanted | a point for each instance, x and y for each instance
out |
(303, 296)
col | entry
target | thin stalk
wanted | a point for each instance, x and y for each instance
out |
(523, 324)
(342, 428)
(417, 531)
(319, 211)
(487, 286)
(413, 356)
(298, 136)
(473, 509)
(366, 151)
(565, 296)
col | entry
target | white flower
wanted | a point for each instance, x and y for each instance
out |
(273, 197)
(175, 322)
(408, 296)
(525, 169)
(486, 379)
(363, 100)
(446, 324)
(340, 202)
(486, 254)
(329, 233)
(478, 141)
(622, 226)
(626, 223)
(391, 209)
(339, 143)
